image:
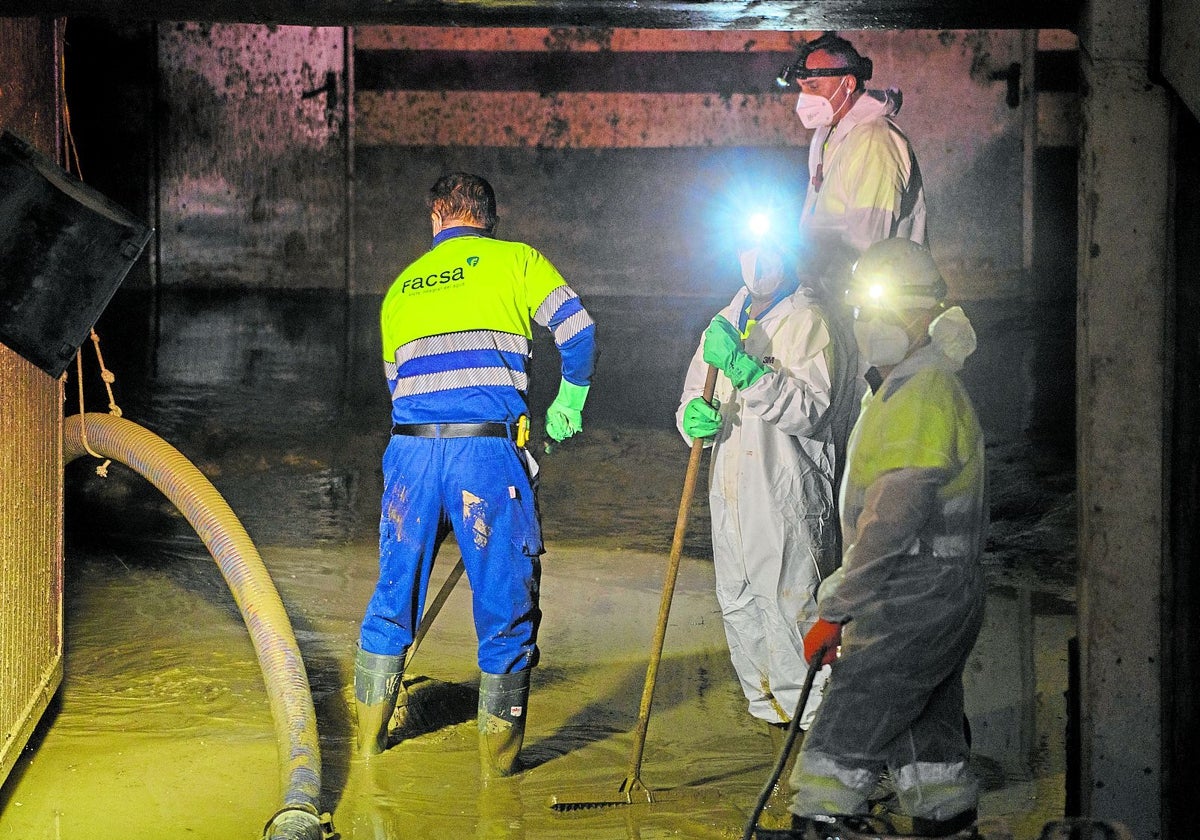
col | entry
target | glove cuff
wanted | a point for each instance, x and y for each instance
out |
(745, 370)
(571, 395)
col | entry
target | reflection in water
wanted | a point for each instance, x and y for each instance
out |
(163, 719)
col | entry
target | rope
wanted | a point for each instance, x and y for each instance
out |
(71, 155)
(101, 470)
(108, 377)
(70, 151)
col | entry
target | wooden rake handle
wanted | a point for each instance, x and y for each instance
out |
(633, 780)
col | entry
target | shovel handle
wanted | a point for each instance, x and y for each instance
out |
(664, 608)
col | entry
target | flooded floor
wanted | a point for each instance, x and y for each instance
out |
(162, 727)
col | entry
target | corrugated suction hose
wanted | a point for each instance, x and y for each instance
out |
(288, 690)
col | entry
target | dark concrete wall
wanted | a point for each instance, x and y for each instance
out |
(625, 178)
(252, 163)
(616, 151)
(622, 154)
(28, 95)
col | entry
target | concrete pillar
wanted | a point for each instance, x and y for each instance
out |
(1121, 343)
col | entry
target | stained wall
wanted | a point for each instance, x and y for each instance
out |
(628, 155)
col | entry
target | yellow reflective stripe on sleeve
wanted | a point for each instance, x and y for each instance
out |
(542, 280)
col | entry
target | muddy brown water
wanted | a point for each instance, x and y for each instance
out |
(162, 729)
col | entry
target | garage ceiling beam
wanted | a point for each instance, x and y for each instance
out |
(632, 14)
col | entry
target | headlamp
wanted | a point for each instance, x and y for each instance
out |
(859, 66)
(796, 71)
(896, 274)
(756, 212)
(883, 293)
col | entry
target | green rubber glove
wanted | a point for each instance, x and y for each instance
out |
(723, 349)
(722, 342)
(701, 420)
(564, 417)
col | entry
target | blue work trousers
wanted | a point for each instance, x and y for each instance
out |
(480, 488)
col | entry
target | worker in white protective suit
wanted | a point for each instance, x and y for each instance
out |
(864, 181)
(902, 613)
(783, 408)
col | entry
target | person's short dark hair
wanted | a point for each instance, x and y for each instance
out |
(465, 196)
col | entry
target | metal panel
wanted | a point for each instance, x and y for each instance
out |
(64, 250)
(31, 515)
(30, 439)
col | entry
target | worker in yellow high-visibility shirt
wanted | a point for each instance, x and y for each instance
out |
(900, 616)
(457, 342)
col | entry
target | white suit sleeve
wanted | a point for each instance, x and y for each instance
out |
(795, 395)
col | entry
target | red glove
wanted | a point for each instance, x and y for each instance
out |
(823, 638)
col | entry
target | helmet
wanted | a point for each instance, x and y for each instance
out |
(896, 274)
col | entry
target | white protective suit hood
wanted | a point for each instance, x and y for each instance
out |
(951, 341)
(953, 336)
(873, 103)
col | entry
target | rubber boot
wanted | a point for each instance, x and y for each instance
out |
(502, 707)
(376, 685)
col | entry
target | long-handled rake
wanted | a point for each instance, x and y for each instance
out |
(632, 790)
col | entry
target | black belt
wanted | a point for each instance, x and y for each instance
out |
(456, 430)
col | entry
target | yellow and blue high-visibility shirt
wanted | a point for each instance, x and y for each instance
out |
(457, 329)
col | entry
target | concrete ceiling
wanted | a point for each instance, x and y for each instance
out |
(633, 14)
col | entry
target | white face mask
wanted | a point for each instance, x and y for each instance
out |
(762, 274)
(815, 111)
(881, 344)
